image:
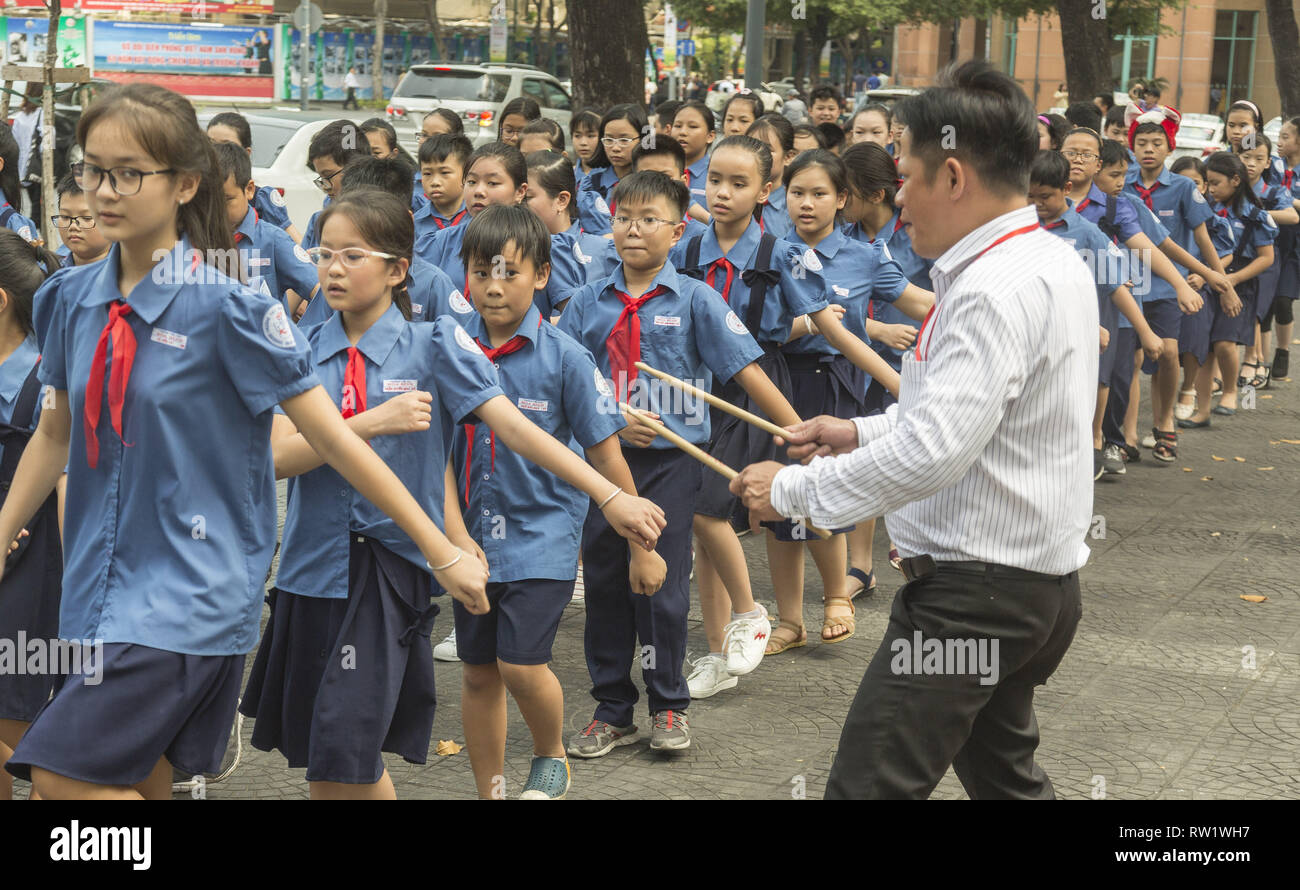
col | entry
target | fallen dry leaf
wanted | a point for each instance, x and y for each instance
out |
(1187, 469)
(1290, 441)
(1263, 469)
(1273, 441)
(1240, 460)
(1266, 396)
(1215, 534)
(1206, 478)
(1216, 457)
(1253, 597)
(447, 747)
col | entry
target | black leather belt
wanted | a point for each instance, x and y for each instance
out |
(923, 566)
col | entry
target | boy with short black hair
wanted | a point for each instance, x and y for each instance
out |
(527, 523)
(664, 114)
(328, 153)
(442, 176)
(647, 311)
(273, 263)
(826, 105)
(76, 224)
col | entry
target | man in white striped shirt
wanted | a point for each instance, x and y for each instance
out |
(983, 471)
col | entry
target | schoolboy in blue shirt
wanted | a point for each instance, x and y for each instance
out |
(527, 522)
(442, 175)
(328, 153)
(83, 243)
(667, 157)
(275, 266)
(646, 311)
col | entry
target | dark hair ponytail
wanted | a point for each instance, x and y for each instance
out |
(23, 269)
(870, 169)
(554, 174)
(10, 182)
(509, 156)
(385, 225)
(164, 125)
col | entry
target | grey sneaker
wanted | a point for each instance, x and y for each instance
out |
(672, 731)
(1112, 461)
(599, 738)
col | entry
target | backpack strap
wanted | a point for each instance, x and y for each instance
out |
(693, 252)
(759, 284)
(15, 434)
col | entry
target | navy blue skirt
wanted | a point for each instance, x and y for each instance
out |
(821, 384)
(128, 706)
(29, 605)
(1225, 329)
(737, 443)
(1268, 283)
(1194, 336)
(337, 681)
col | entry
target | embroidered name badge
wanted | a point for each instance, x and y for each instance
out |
(417, 309)
(399, 386)
(169, 338)
(276, 327)
(256, 259)
(459, 303)
(668, 321)
(534, 405)
(840, 291)
(1168, 212)
(735, 325)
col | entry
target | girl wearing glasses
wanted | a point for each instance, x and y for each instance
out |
(621, 130)
(517, 114)
(10, 185)
(169, 536)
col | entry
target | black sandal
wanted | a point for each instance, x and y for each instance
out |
(1166, 446)
(1261, 380)
(867, 583)
(1218, 387)
(1244, 381)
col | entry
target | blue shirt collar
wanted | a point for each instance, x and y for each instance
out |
(776, 200)
(667, 277)
(14, 371)
(375, 344)
(248, 226)
(1134, 175)
(829, 246)
(154, 293)
(740, 252)
(528, 327)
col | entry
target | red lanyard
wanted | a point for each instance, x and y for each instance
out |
(929, 315)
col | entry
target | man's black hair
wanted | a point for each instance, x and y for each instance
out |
(980, 116)
(338, 141)
(1113, 153)
(670, 147)
(1084, 114)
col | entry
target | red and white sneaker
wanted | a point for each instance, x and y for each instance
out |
(744, 642)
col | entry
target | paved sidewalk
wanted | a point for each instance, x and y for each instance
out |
(1152, 700)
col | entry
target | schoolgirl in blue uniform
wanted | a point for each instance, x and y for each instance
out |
(742, 263)
(778, 134)
(272, 263)
(1243, 127)
(824, 266)
(576, 258)
(740, 113)
(494, 174)
(1234, 322)
(621, 130)
(232, 127)
(584, 128)
(869, 215)
(442, 176)
(1277, 199)
(10, 187)
(169, 537)
(330, 150)
(693, 128)
(1288, 242)
(431, 292)
(29, 591)
(529, 523)
(647, 311)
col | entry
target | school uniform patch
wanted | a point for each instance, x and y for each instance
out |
(169, 338)
(1166, 213)
(1197, 196)
(459, 303)
(840, 291)
(399, 385)
(602, 385)
(26, 233)
(301, 254)
(884, 251)
(582, 257)
(735, 325)
(810, 260)
(668, 321)
(466, 342)
(276, 198)
(601, 205)
(276, 327)
(534, 405)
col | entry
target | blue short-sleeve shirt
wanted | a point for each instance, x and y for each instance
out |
(400, 356)
(697, 177)
(915, 268)
(527, 520)
(15, 221)
(428, 220)
(1107, 264)
(774, 324)
(1093, 208)
(677, 253)
(167, 541)
(593, 209)
(838, 270)
(686, 331)
(14, 372)
(576, 259)
(442, 249)
(270, 207)
(273, 261)
(1252, 228)
(775, 215)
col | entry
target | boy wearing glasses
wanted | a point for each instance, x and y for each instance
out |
(647, 312)
(330, 150)
(82, 242)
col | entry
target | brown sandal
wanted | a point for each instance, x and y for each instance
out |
(786, 636)
(829, 621)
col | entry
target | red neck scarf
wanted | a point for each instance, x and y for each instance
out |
(123, 339)
(454, 221)
(1145, 193)
(1053, 225)
(354, 384)
(624, 341)
(711, 275)
(514, 344)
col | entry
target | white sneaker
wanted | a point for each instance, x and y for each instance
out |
(1148, 441)
(744, 641)
(709, 677)
(446, 650)
(579, 588)
(1183, 412)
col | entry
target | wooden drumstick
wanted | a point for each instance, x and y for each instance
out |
(696, 452)
(721, 404)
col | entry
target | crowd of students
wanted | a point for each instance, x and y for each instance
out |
(480, 323)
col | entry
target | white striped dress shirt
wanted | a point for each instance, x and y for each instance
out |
(988, 454)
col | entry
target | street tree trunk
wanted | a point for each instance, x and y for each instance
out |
(377, 51)
(607, 42)
(1286, 54)
(1087, 52)
(48, 129)
(435, 29)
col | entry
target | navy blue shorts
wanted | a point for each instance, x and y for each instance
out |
(520, 628)
(735, 442)
(1194, 336)
(112, 721)
(1165, 318)
(878, 398)
(834, 386)
(1225, 329)
(337, 681)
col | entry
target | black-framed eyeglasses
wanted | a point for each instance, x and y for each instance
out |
(647, 224)
(323, 182)
(65, 222)
(1072, 155)
(126, 181)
